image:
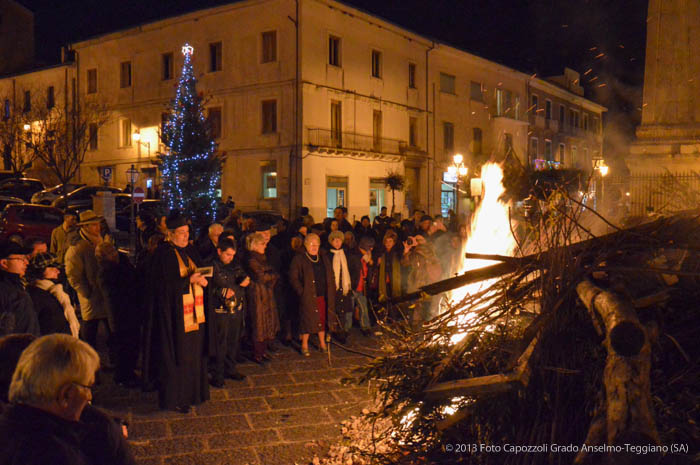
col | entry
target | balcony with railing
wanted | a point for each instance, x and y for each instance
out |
(341, 142)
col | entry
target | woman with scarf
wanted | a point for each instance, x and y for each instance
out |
(180, 339)
(51, 303)
(311, 276)
(341, 275)
(261, 299)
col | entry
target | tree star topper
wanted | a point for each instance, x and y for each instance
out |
(187, 49)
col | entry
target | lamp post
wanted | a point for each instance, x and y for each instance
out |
(459, 170)
(132, 176)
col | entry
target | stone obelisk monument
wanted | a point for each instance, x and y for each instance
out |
(669, 136)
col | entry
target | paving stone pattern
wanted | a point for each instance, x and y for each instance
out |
(283, 413)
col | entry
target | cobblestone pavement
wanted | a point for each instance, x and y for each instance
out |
(283, 413)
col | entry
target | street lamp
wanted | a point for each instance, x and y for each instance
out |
(137, 137)
(132, 175)
(459, 170)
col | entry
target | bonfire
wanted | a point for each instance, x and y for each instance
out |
(555, 346)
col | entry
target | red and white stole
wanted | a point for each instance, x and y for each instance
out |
(193, 301)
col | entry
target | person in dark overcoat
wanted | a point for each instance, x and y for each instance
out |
(119, 284)
(262, 308)
(311, 276)
(228, 301)
(180, 339)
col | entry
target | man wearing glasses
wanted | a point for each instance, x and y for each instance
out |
(17, 313)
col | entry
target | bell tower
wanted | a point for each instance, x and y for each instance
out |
(669, 136)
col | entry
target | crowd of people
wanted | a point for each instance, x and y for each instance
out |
(185, 309)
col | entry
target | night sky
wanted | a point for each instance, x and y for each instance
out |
(533, 36)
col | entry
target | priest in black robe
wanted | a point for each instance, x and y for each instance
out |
(181, 325)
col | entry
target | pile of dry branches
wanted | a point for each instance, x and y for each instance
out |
(577, 340)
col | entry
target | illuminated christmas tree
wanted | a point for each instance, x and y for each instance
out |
(190, 166)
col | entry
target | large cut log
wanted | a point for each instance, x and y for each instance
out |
(628, 407)
(620, 320)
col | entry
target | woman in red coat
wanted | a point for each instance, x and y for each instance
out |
(311, 276)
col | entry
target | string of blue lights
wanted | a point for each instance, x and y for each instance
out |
(190, 167)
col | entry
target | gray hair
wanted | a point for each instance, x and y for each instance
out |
(48, 364)
(253, 239)
(214, 226)
(309, 237)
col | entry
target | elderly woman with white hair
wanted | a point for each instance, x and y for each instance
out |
(261, 299)
(311, 276)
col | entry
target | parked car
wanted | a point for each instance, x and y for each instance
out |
(155, 206)
(48, 195)
(82, 197)
(25, 222)
(5, 200)
(23, 188)
(6, 174)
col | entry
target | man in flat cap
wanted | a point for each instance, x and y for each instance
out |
(17, 313)
(82, 272)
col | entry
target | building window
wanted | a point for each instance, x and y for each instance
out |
(548, 150)
(27, 101)
(412, 131)
(574, 156)
(475, 92)
(125, 74)
(504, 100)
(447, 83)
(596, 125)
(562, 111)
(125, 132)
(7, 112)
(92, 131)
(560, 156)
(548, 109)
(334, 51)
(92, 81)
(269, 179)
(577, 122)
(448, 136)
(50, 98)
(376, 64)
(508, 143)
(478, 141)
(533, 147)
(214, 57)
(411, 75)
(377, 130)
(585, 121)
(534, 104)
(166, 66)
(164, 118)
(214, 120)
(269, 116)
(269, 47)
(336, 123)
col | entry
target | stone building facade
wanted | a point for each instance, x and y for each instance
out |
(669, 136)
(313, 102)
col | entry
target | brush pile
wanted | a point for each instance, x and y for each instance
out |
(581, 349)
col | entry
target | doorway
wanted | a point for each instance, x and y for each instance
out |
(336, 193)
